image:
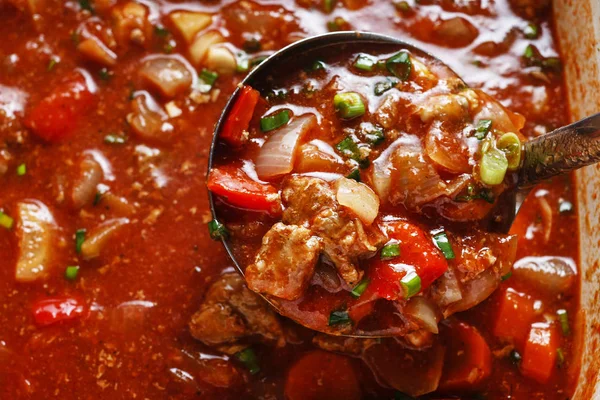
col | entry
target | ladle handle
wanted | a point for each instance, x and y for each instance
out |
(561, 151)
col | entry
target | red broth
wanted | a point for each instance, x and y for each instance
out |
(117, 327)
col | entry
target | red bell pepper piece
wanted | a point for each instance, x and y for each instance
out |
(239, 190)
(417, 252)
(515, 313)
(539, 354)
(468, 359)
(55, 117)
(57, 309)
(238, 120)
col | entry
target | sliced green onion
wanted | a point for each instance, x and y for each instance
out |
(375, 136)
(560, 357)
(318, 65)
(79, 239)
(161, 31)
(399, 65)
(71, 272)
(493, 166)
(254, 61)
(507, 276)
(355, 174)
(483, 127)
(402, 6)
(112, 138)
(552, 63)
(86, 5)
(207, 80)
(563, 318)
(339, 317)
(274, 121)
(21, 170)
(249, 359)
(6, 221)
(364, 62)
(565, 206)
(217, 230)
(168, 48)
(531, 31)
(487, 195)
(97, 198)
(105, 74)
(348, 105)
(390, 251)
(359, 289)
(349, 149)
(328, 5)
(515, 357)
(411, 284)
(384, 86)
(510, 144)
(242, 62)
(338, 24)
(441, 241)
(530, 52)
(51, 64)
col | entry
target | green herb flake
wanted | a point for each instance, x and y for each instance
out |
(86, 5)
(206, 80)
(349, 149)
(365, 62)
(217, 230)
(531, 31)
(51, 64)
(161, 31)
(6, 221)
(339, 317)
(249, 359)
(400, 65)
(355, 174)
(482, 129)
(21, 170)
(441, 241)
(507, 276)
(274, 121)
(359, 289)
(329, 5)
(383, 86)
(71, 272)
(79, 239)
(338, 24)
(563, 318)
(389, 251)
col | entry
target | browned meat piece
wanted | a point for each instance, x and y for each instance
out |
(311, 202)
(342, 344)
(285, 263)
(304, 198)
(346, 240)
(230, 312)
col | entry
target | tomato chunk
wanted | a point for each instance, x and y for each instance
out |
(239, 190)
(539, 354)
(319, 375)
(515, 312)
(468, 358)
(57, 309)
(55, 117)
(239, 117)
(417, 252)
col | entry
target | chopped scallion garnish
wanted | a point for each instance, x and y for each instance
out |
(329, 5)
(493, 166)
(207, 80)
(349, 105)
(515, 357)
(217, 230)
(274, 121)
(105, 74)
(318, 65)
(507, 276)
(161, 31)
(531, 31)
(384, 86)
(375, 136)
(563, 318)
(355, 174)
(51, 64)
(21, 170)
(338, 24)
(365, 62)
(249, 359)
(339, 317)
(390, 250)
(411, 284)
(79, 239)
(560, 356)
(359, 289)
(86, 5)
(350, 149)
(441, 241)
(510, 144)
(6, 221)
(400, 65)
(483, 127)
(112, 138)
(565, 206)
(71, 272)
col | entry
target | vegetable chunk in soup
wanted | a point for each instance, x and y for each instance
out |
(356, 189)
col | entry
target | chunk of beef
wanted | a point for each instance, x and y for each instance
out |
(311, 202)
(231, 312)
(285, 262)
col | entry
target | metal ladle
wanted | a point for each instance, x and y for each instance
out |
(558, 152)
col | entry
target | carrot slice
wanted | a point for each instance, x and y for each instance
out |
(514, 316)
(236, 126)
(539, 354)
(320, 375)
(468, 358)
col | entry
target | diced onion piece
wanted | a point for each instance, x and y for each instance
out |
(419, 308)
(96, 51)
(277, 155)
(148, 120)
(319, 156)
(85, 187)
(551, 274)
(447, 289)
(503, 119)
(130, 22)
(359, 198)
(199, 48)
(99, 237)
(36, 232)
(167, 75)
(447, 151)
(189, 23)
(474, 292)
(221, 60)
(445, 106)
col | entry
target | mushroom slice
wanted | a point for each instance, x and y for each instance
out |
(36, 233)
